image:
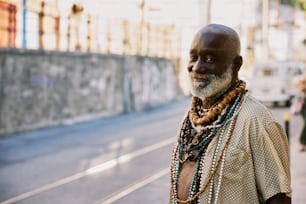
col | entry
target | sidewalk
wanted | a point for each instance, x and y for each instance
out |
(297, 162)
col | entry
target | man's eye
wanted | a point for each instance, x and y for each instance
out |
(193, 58)
(209, 59)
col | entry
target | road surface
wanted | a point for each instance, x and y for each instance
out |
(122, 159)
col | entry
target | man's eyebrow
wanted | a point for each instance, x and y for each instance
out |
(211, 51)
(192, 51)
(208, 52)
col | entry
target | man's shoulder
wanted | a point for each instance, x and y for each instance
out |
(255, 114)
(254, 108)
(253, 102)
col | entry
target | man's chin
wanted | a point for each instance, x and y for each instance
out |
(199, 93)
(199, 85)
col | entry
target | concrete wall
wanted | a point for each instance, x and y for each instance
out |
(40, 88)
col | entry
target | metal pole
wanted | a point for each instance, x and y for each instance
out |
(265, 27)
(287, 123)
(208, 17)
(10, 24)
(287, 129)
(24, 24)
(41, 15)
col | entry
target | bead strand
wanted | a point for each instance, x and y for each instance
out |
(217, 109)
(208, 181)
(220, 178)
(192, 185)
(231, 127)
(174, 169)
(186, 150)
(217, 164)
(201, 169)
(214, 163)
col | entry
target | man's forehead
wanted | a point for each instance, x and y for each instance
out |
(210, 41)
(211, 38)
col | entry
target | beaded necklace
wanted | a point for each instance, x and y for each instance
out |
(196, 151)
(206, 116)
(193, 142)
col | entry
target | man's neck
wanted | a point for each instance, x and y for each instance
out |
(209, 102)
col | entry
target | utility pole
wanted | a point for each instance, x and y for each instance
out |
(41, 16)
(208, 17)
(265, 28)
(24, 24)
(141, 26)
(204, 12)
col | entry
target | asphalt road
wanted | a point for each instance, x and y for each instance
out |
(122, 159)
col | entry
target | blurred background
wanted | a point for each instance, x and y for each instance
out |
(100, 86)
(271, 31)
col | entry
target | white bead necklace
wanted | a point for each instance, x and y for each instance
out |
(213, 166)
(222, 134)
(217, 164)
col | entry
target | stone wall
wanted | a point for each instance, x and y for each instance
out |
(40, 88)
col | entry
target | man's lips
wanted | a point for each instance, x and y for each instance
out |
(199, 78)
(196, 75)
(200, 81)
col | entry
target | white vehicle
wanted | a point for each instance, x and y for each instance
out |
(275, 82)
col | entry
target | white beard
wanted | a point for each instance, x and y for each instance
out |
(210, 85)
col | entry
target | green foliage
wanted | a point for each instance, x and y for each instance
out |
(295, 3)
(290, 2)
(302, 4)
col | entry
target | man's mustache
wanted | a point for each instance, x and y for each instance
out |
(195, 75)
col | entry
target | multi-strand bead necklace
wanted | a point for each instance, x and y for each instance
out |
(192, 144)
(209, 115)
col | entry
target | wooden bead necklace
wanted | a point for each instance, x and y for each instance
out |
(217, 163)
(210, 114)
(211, 176)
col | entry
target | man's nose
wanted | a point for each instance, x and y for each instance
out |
(199, 67)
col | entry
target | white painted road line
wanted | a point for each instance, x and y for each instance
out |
(134, 187)
(127, 157)
(96, 169)
(44, 188)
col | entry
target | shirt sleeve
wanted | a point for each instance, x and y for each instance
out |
(270, 154)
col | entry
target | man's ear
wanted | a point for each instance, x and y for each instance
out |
(237, 63)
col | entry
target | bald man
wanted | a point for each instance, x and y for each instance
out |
(230, 148)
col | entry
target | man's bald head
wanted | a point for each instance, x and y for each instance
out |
(230, 36)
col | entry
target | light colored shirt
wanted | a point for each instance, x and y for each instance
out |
(256, 165)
